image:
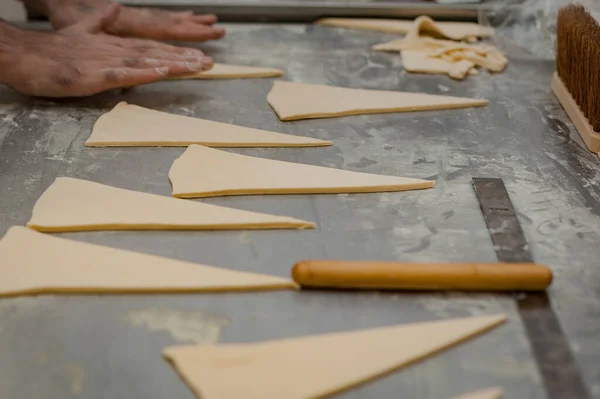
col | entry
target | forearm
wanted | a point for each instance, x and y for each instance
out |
(8, 43)
(37, 5)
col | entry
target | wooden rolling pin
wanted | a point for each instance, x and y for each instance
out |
(422, 276)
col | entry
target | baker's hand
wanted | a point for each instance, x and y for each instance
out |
(137, 22)
(78, 61)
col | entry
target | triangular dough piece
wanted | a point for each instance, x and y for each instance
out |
(35, 263)
(128, 125)
(452, 30)
(490, 393)
(79, 205)
(315, 366)
(206, 172)
(226, 71)
(292, 101)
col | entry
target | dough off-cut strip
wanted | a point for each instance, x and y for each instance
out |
(426, 44)
(207, 172)
(460, 69)
(490, 393)
(449, 30)
(228, 71)
(434, 47)
(33, 263)
(293, 101)
(80, 205)
(417, 61)
(453, 30)
(128, 125)
(316, 366)
(457, 59)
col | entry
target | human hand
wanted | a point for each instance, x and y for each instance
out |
(80, 61)
(137, 22)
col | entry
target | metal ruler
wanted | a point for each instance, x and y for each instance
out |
(551, 350)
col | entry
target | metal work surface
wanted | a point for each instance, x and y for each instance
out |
(309, 10)
(110, 346)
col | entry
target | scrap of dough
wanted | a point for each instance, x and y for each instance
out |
(316, 366)
(449, 30)
(459, 70)
(490, 393)
(453, 30)
(79, 205)
(434, 47)
(33, 263)
(483, 55)
(293, 101)
(128, 125)
(227, 71)
(425, 44)
(422, 62)
(417, 61)
(206, 172)
(482, 49)
(494, 61)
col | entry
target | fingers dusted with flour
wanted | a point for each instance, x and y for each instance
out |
(144, 23)
(79, 61)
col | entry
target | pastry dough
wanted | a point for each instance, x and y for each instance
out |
(292, 101)
(226, 71)
(458, 70)
(316, 366)
(128, 125)
(34, 263)
(453, 30)
(80, 205)
(426, 44)
(443, 56)
(419, 62)
(455, 60)
(206, 172)
(449, 30)
(434, 47)
(490, 393)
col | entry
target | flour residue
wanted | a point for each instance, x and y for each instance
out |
(244, 238)
(198, 327)
(76, 375)
(451, 304)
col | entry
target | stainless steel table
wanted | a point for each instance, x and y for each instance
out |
(309, 10)
(110, 346)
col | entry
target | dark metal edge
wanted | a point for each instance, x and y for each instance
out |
(551, 350)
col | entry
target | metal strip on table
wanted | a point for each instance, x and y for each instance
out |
(551, 350)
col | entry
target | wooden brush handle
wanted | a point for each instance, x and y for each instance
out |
(422, 276)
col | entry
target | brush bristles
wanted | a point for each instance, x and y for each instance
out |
(578, 59)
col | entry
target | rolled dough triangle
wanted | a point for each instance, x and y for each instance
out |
(36, 263)
(80, 205)
(452, 30)
(227, 71)
(490, 393)
(206, 172)
(292, 101)
(128, 125)
(315, 366)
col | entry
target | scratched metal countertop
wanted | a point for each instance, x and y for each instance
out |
(110, 346)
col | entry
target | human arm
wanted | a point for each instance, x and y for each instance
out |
(132, 22)
(78, 61)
